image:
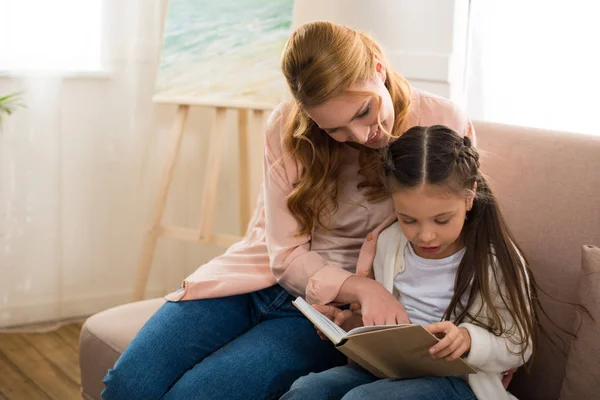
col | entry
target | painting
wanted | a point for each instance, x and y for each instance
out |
(225, 51)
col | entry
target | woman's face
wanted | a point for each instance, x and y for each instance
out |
(352, 117)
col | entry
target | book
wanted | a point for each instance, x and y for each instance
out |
(386, 351)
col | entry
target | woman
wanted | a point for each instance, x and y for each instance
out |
(231, 331)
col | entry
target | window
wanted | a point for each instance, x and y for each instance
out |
(51, 35)
(536, 63)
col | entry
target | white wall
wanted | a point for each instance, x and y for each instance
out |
(79, 167)
(78, 172)
(425, 40)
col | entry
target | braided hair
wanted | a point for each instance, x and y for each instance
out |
(438, 156)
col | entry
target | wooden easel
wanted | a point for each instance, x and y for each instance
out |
(250, 121)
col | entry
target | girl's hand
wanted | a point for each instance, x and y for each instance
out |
(507, 377)
(454, 343)
(380, 307)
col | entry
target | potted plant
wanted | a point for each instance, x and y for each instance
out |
(8, 105)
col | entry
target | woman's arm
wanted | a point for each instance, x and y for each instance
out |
(292, 262)
(379, 306)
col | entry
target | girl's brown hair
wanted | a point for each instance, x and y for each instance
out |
(440, 157)
(322, 60)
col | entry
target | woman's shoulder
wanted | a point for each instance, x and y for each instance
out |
(277, 118)
(277, 155)
(275, 127)
(431, 109)
(429, 101)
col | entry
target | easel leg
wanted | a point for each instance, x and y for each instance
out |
(244, 168)
(149, 246)
(211, 177)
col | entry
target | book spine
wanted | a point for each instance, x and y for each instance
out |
(352, 352)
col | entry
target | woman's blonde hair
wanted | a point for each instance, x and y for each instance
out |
(322, 60)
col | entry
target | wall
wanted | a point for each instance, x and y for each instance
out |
(78, 172)
(425, 40)
(79, 166)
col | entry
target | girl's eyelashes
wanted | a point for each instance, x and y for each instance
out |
(410, 222)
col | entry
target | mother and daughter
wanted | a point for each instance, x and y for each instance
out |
(354, 150)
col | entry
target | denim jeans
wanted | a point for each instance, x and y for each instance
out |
(250, 346)
(352, 382)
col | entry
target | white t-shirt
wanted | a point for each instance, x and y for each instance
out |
(426, 286)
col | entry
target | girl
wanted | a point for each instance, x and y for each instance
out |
(449, 257)
(232, 320)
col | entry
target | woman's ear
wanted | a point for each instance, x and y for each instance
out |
(380, 69)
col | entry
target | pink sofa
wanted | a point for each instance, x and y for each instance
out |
(549, 188)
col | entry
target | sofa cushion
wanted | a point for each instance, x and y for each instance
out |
(547, 185)
(582, 380)
(103, 338)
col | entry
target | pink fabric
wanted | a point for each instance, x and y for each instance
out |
(364, 265)
(315, 265)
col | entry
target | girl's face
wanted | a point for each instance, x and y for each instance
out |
(353, 118)
(432, 219)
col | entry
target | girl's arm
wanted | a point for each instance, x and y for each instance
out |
(493, 353)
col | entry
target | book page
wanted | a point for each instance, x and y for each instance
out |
(363, 329)
(324, 324)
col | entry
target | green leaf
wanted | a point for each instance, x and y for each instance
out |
(9, 103)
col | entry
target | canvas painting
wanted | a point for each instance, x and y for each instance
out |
(224, 51)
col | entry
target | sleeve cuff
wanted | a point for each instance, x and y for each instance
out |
(481, 347)
(325, 285)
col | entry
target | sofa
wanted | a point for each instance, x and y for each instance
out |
(548, 185)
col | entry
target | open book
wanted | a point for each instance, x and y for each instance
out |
(390, 351)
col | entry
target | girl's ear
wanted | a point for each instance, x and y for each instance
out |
(380, 69)
(471, 197)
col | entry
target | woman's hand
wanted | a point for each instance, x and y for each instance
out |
(346, 319)
(380, 307)
(454, 343)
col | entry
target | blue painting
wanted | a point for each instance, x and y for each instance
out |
(225, 50)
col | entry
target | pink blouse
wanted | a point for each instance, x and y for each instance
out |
(316, 265)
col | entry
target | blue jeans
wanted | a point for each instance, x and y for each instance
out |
(352, 382)
(250, 346)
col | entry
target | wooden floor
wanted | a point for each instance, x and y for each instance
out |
(40, 365)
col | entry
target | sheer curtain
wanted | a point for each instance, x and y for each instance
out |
(535, 63)
(78, 165)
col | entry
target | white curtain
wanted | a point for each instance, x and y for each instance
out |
(535, 63)
(78, 165)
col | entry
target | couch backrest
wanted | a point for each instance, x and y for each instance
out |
(548, 185)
